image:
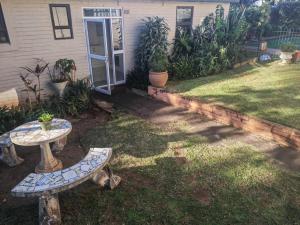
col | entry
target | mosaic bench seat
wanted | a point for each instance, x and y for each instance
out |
(7, 151)
(46, 186)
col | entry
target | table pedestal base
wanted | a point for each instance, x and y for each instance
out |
(49, 210)
(48, 162)
(106, 179)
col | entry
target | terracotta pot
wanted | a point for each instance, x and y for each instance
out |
(158, 79)
(296, 56)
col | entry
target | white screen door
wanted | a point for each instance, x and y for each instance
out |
(98, 54)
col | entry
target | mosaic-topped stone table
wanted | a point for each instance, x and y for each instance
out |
(31, 134)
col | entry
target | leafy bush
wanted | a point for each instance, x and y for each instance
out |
(15, 116)
(77, 97)
(213, 46)
(62, 70)
(286, 15)
(258, 18)
(158, 62)
(183, 68)
(288, 47)
(137, 79)
(153, 38)
(10, 118)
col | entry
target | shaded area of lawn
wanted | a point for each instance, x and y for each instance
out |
(270, 91)
(170, 177)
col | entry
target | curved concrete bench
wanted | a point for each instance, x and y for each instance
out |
(47, 185)
(7, 151)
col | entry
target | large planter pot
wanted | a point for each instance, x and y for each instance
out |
(296, 56)
(158, 79)
(58, 88)
(46, 125)
(286, 56)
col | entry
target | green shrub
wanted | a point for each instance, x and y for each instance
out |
(212, 47)
(286, 15)
(158, 62)
(183, 68)
(153, 38)
(77, 97)
(15, 116)
(138, 79)
(10, 118)
(288, 47)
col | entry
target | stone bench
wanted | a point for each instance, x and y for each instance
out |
(46, 186)
(7, 151)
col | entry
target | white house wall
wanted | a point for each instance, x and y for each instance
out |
(31, 34)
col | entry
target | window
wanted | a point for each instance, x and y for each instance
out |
(3, 31)
(102, 12)
(184, 17)
(61, 21)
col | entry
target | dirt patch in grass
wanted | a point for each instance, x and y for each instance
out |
(136, 180)
(72, 153)
(180, 154)
(202, 195)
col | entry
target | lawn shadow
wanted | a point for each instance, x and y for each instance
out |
(218, 185)
(132, 136)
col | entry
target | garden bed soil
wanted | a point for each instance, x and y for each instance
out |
(72, 153)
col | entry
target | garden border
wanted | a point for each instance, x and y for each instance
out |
(281, 134)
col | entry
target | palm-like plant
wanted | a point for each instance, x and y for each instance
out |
(153, 38)
(36, 71)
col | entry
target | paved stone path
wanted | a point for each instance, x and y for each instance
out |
(161, 113)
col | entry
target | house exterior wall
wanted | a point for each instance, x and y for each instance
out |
(31, 34)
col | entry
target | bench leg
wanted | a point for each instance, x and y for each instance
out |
(106, 178)
(49, 210)
(59, 145)
(10, 157)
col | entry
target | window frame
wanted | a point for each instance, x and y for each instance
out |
(54, 27)
(5, 31)
(192, 15)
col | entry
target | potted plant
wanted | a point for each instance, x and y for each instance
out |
(45, 120)
(287, 51)
(63, 71)
(296, 56)
(158, 74)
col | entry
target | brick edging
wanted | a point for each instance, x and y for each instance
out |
(281, 134)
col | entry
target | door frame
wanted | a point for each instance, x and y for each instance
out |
(103, 19)
(98, 57)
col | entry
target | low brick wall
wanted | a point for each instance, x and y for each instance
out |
(281, 134)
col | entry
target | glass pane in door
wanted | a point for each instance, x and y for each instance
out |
(109, 51)
(99, 72)
(119, 67)
(117, 34)
(96, 38)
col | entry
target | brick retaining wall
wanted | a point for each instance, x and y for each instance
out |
(281, 134)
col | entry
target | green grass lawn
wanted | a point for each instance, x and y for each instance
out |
(202, 183)
(271, 91)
